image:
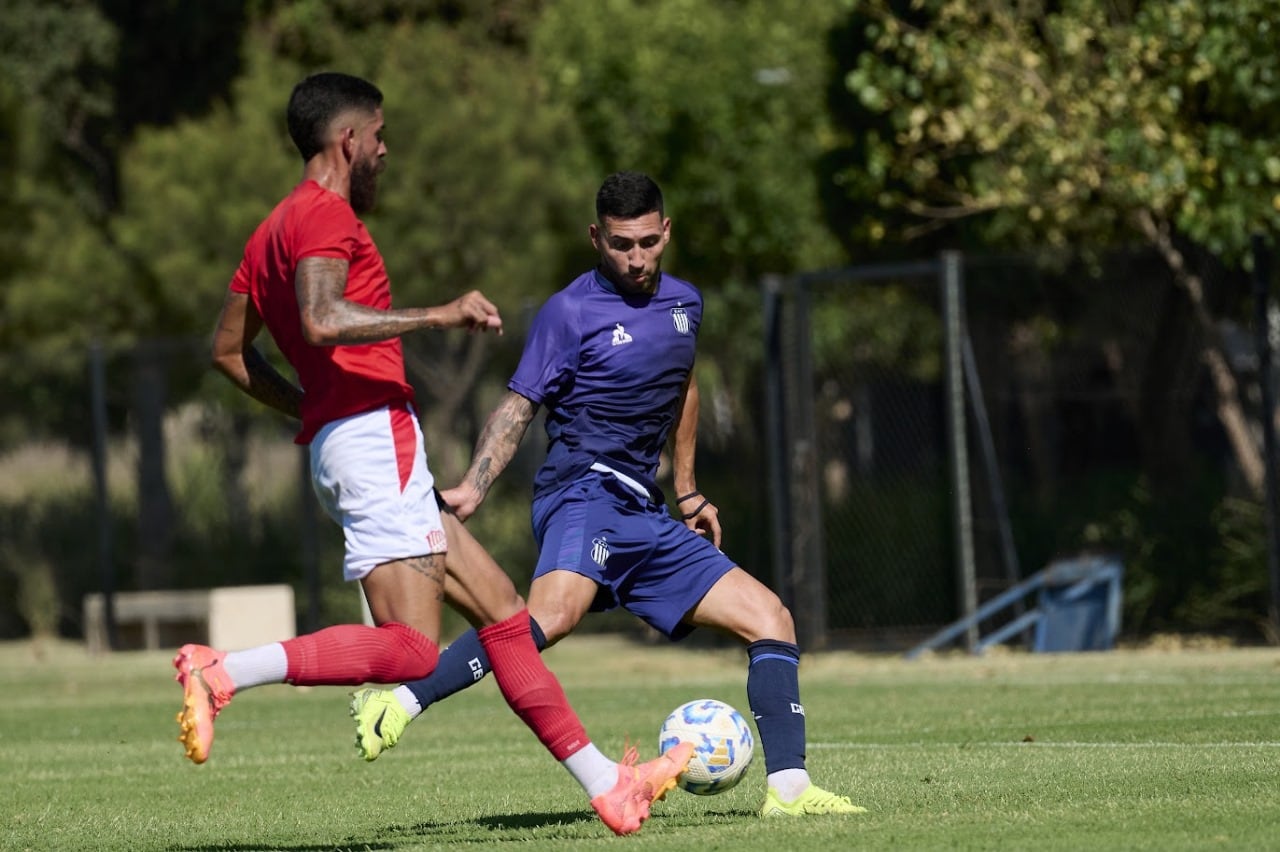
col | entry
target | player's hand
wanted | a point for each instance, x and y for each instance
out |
(463, 500)
(473, 312)
(706, 522)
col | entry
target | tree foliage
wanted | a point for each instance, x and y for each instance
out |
(1062, 122)
(967, 104)
(719, 101)
(1078, 122)
(55, 60)
(146, 141)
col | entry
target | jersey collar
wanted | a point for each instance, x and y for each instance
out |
(612, 288)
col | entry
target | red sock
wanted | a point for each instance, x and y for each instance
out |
(530, 688)
(352, 654)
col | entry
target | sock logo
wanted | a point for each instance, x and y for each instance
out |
(477, 668)
(798, 709)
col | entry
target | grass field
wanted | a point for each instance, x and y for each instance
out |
(1127, 750)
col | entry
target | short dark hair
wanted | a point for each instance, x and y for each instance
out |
(628, 195)
(318, 100)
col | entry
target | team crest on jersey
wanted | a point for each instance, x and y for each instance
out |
(680, 319)
(600, 551)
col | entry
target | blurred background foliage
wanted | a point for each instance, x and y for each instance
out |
(146, 140)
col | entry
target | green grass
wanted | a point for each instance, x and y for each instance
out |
(1128, 750)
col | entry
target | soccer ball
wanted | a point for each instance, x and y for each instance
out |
(722, 744)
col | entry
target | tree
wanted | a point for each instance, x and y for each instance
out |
(55, 58)
(55, 103)
(1077, 122)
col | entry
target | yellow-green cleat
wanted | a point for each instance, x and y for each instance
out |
(814, 800)
(380, 721)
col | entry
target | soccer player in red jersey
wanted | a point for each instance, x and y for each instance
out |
(312, 276)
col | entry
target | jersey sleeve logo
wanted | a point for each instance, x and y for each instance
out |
(680, 319)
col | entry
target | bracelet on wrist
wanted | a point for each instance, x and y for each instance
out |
(690, 515)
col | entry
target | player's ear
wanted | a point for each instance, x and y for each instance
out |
(594, 233)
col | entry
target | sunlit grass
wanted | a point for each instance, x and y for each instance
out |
(1128, 750)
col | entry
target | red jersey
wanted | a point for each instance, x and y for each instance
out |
(337, 381)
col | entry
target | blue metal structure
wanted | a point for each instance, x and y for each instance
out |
(1077, 609)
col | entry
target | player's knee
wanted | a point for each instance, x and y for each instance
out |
(419, 653)
(555, 624)
(774, 620)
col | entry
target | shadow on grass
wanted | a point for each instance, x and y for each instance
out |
(394, 835)
(548, 820)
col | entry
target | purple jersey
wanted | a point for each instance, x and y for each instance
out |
(609, 369)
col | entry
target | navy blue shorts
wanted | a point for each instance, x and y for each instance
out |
(643, 560)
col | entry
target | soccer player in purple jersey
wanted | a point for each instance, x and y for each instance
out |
(611, 357)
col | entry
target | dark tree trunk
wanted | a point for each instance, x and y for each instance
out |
(155, 505)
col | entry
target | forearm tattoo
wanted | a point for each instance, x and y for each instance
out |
(269, 387)
(484, 475)
(321, 287)
(500, 439)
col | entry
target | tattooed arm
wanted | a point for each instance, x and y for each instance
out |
(498, 443)
(329, 319)
(235, 356)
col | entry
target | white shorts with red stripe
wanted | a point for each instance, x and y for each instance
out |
(370, 473)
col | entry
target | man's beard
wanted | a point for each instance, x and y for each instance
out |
(364, 185)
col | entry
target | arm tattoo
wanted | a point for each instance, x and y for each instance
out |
(321, 284)
(484, 475)
(269, 387)
(500, 439)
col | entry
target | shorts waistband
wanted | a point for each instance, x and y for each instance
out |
(623, 478)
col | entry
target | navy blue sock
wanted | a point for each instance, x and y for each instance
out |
(773, 691)
(461, 664)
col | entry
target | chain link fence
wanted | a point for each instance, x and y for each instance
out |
(1065, 399)
(134, 466)
(998, 413)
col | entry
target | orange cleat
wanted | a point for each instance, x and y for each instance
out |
(626, 806)
(206, 689)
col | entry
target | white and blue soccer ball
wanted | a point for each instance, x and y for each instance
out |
(723, 744)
